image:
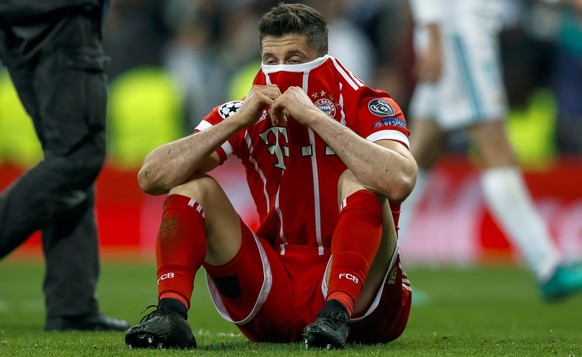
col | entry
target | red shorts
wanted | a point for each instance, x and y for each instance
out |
(272, 297)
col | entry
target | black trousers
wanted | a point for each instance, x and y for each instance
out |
(57, 65)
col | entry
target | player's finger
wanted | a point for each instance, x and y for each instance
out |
(271, 90)
(283, 120)
(265, 99)
(276, 112)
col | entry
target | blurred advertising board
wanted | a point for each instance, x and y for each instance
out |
(452, 225)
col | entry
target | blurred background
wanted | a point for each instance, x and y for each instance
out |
(172, 61)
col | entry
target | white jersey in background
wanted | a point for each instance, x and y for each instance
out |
(470, 89)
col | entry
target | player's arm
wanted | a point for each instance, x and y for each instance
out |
(429, 62)
(172, 164)
(428, 65)
(385, 167)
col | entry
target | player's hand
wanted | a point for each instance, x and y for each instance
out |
(258, 97)
(293, 102)
(428, 66)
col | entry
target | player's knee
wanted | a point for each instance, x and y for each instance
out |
(348, 184)
(202, 188)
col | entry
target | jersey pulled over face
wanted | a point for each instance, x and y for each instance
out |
(292, 173)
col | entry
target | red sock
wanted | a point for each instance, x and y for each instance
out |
(180, 247)
(354, 246)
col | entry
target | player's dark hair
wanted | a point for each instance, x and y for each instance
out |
(286, 19)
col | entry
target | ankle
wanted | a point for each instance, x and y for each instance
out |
(334, 306)
(174, 305)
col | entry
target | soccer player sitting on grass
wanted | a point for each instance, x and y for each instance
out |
(327, 163)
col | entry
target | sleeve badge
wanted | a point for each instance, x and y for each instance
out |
(228, 109)
(381, 108)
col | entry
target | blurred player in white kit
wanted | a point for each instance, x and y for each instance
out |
(460, 87)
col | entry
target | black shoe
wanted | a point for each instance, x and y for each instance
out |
(329, 331)
(97, 322)
(161, 328)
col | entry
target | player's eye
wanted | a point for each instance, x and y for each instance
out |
(295, 60)
(270, 61)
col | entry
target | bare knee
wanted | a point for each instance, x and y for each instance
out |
(348, 184)
(200, 188)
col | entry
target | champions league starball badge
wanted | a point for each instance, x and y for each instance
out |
(228, 109)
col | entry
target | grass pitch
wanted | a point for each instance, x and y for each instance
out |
(484, 311)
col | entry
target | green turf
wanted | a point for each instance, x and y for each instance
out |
(493, 311)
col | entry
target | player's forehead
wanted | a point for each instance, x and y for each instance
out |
(285, 44)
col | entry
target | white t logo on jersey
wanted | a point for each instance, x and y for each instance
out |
(278, 149)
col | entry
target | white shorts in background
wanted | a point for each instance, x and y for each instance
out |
(471, 88)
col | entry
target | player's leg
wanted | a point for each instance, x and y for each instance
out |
(504, 190)
(354, 246)
(255, 291)
(198, 224)
(381, 312)
(386, 316)
(506, 195)
(510, 203)
(383, 260)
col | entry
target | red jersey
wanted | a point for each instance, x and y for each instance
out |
(291, 172)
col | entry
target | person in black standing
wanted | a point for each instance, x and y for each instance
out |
(53, 52)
